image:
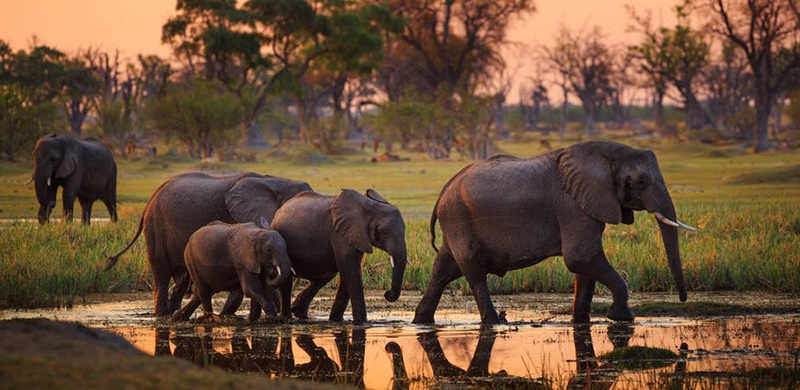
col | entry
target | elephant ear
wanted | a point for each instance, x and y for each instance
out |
(374, 195)
(242, 246)
(69, 162)
(351, 220)
(252, 198)
(586, 176)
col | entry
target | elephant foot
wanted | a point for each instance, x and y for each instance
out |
(620, 312)
(580, 318)
(423, 319)
(300, 313)
(180, 316)
(338, 318)
(211, 317)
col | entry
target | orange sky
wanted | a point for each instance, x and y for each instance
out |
(134, 27)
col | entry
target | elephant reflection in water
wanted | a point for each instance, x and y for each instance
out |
(272, 354)
(446, 373)
(589, 374)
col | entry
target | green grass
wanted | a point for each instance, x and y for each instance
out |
(747, 208)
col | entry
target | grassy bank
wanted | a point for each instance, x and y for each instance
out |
(746, 206)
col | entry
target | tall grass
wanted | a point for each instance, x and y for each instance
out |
(747, 208)
(55, 264)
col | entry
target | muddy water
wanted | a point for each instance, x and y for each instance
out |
(547, 353)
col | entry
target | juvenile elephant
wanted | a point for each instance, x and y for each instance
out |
(508, 213)
(189, 201)
(327, 235)
(235, 257)
(84, 168)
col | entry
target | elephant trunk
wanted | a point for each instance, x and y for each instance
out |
(398, 259)
(669, 234)
(45, 193)
(281, 273)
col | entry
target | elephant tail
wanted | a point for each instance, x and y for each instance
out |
(433, 227)
(112, 260)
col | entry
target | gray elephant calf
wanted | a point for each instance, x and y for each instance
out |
(327, 235)
(235, 257)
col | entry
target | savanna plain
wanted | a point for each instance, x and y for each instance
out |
(739, 327)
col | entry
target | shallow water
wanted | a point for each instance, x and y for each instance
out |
(392, 353)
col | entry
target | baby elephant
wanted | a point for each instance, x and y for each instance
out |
(236, 258)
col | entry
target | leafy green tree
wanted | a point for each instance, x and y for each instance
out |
(201, 115)
(81, 85)
(448, 51)
(673, 57)
(351, 51)
(29, 83)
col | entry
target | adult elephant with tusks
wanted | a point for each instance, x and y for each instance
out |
(85, 169)
(508, 213)
(327, 235)
(185, 203)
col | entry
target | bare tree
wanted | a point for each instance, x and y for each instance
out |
(586, 61)
(763, 30)
(533, 99)
(729, 84)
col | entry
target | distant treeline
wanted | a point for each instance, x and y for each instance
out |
(418, 74)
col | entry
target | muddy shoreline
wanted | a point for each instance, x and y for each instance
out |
(715, 340)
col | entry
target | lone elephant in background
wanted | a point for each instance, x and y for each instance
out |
(85, 169)
(327, 235)
(508, 213)
(185, 203)
(235, 257)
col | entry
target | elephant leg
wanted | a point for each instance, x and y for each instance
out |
(599, 269)
(181, 278)
(112, 210)
(68, 204)
(255, 290)
(582, 304)
(355, 288)
(161, 293)
(339, 302)
(445, 270)
(86, 211)
(303, 300)
(233, 302)
(480, 290)
(286, 299)
(204, 295)
(186, 311)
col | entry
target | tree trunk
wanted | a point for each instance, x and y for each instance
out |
(761, 131)
(254, 137)
(658, 103)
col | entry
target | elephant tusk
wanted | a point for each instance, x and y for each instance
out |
(293, 273)
(670, 222)
(28, 182)
(279, 271)
(664, 219)
(48, 182)
(391, 261)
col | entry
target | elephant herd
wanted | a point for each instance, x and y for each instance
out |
(252, 234)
